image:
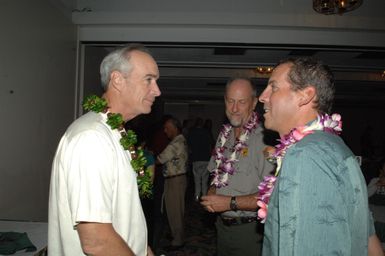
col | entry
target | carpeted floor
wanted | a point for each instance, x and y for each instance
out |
(200, 233)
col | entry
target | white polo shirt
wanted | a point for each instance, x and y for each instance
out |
(92, 181)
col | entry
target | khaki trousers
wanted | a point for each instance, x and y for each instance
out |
(174, 199)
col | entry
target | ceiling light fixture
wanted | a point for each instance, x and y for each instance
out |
(335, 6)
(263, 70)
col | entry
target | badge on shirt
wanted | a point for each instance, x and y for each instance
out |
(245, 152)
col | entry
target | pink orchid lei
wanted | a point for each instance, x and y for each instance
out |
(224, 165)
(331, 124)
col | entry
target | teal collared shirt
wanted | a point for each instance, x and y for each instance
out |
(319, 204)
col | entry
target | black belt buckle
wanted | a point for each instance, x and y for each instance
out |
(229, 221)
(237, 220)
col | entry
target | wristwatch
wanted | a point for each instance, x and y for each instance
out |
(233, 204)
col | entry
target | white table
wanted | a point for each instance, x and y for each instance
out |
(37, 232)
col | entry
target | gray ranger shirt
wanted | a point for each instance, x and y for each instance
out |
(250, 169)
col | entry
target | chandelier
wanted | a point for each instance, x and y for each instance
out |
(335, 6)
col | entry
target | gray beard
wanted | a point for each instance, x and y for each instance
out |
(235, 124)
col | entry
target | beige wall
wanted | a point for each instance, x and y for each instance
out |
(37, 81)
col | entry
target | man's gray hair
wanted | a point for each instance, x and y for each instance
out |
(118, 60)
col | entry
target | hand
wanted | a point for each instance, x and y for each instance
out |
(216, 203)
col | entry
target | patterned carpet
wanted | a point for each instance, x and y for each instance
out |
(200, 233)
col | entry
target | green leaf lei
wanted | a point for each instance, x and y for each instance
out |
(128, 141)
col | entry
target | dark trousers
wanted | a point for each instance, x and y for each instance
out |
(237, 240)
(380, 230)
(158, 219)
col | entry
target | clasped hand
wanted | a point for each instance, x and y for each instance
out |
(216, 203)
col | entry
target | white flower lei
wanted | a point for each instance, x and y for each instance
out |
(225, 166)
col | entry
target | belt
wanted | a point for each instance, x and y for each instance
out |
(237, 220)
(173, 176)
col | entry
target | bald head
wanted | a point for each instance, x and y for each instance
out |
(245, 82)
(240, 100)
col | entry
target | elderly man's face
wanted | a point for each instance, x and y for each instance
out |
(240, 102)
(141, 88)
(280, 101)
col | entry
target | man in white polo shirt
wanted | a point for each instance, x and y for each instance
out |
(94, 205)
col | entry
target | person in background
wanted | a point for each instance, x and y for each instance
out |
(376, 193)
(199, 146)
(150, 160)
(208, 125)
(94, 205)
(175, 157)
(158, 142)
(376, 185)
(147, 201)
(238, 165)
(319, 203)
(186, 126)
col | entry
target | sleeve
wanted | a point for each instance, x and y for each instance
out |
(150, 160)
(315, 204)
(168, 153)
(90, 178)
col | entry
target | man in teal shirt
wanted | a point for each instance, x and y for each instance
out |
(318, 205)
